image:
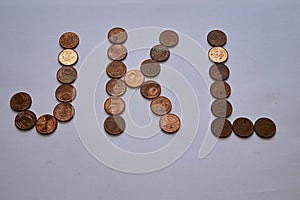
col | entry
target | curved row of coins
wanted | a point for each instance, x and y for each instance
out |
(114, 105)
(65, 93)
(221, 108)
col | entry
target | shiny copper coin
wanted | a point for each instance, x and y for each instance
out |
(46, 124)
(243, 127)
(117, 52)
(114, 125)
(25, 120)
(20, 101)
(218, 55)
(150, 89)
(159, 53)
(265, 127)
(221, 108)
(168, 38)
(219, 72)
(169, 123)
(114, 105)
(221, 127)
(66, 74)
(150, 68)
(68, 57)
(216, 38)
(115, 87)
(161, 105)
(64, 112)
(116, 69)
(117, 35)
(65, 93)
(134, 78)
(220, 89)
(69, 40)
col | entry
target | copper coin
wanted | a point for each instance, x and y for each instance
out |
(161, 105)
(265, 127)
(25, 120)
(116, 69)
(117, 35)
(65, 93)
(150, 89)
(115, 87)
(219, 72)
(216, 38)
(221, 108)
(66, 74)
(69, 40)
(114, 105)
(218, 54)
(243, 127)
(221, 127)
(114, 125)
(150, 68)
(117, 52)
(63, 112)
(159, 53)
(220, 89)
(46, 124)
(168, 38)
(68, 57)
(20, 101)
(169, 123)
(134, 78)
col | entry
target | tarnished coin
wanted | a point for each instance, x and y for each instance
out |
(114, 125)
(150, 89)
(169, 123)
(63, 112)
(150, 68)
(221, 108)
(168, 38)
(220, 89)
(68, 57)
(265, 127)
(219, 72)
(116, 69)
(114, 105)
(243, 127)
(46, 124)
(161, 105)
(69, 40)
(117, 52)
(216, 38)
(221, 127)
(66, 74)
(117, 35)
(25, 120)
(65, 93)
(20, 101)
(159, 53)
(115, 87)
(218, 55)
(134, 78)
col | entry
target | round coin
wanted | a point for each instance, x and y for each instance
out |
(63, 112)
(243, 127)
(221, 127)
(220, 89)
(161, 105)
(117, 35)
(134, 78)
(25, 120)
(216, 38)
(66, 74)
(114, 105)
(221, 108)
(68, 57)
(65, 93)
(159, 53)
(219, 72)
(117, 52)
(20, 101)
(168, 38)
(265, 127)
(115, 87)
(116, 69)
(169, 123)
(218, 54)
(46, 124)
(150, 68)
(150, 89)
(69, 40)
(114, 125)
